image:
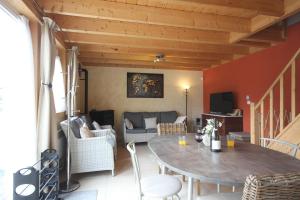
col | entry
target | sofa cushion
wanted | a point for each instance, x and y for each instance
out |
(152, 130)
(136, 119)
(136, 131)
(168, 117)
(151, 115)
(180, 120)
(150, 122)
(128, 124)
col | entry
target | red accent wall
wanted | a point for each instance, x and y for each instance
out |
(252, 75)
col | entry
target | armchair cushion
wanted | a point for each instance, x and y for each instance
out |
(85, 132)
(86, 119)
(75, 124)
(107, 127)
(96, 125)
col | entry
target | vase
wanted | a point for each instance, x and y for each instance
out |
(206, 140)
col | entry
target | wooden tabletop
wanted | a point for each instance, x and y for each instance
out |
(229, 167)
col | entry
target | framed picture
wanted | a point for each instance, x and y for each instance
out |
(144, 85)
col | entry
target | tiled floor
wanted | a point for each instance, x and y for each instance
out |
(122, 186)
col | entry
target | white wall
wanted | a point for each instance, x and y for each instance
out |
(108, 90)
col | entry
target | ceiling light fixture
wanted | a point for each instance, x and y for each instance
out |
(160, 57)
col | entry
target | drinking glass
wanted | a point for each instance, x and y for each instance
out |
(230, 141)
(182, 140)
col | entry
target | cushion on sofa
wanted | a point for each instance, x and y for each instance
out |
(152, 130)
(168, 117)
(150, 115)
(128, 123)
(150, 122)
(180, 120)
(136, 119)
(136, 131)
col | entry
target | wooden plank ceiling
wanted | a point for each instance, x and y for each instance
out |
(192, 34)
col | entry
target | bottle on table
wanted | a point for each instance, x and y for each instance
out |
(215, 141)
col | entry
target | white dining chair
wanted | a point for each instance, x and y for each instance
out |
(157, 186)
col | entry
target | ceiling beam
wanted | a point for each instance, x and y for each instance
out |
(114, 56)
(264, 7)
(150, 43)
(149, 51)
(254, 44)
(88, 64)
(138, 30)
(145, 14)
(139, 62)
(261, 22)
(274, 34)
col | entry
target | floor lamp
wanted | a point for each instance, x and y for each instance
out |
(186, 90)
(70, 185)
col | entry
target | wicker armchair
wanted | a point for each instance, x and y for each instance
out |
(277, 187)
(92, 154)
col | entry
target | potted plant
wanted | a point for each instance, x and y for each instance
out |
(212, 124)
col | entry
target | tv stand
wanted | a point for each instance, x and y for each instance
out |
(229, 123)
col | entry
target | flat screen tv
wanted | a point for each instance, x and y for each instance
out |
(221, 103)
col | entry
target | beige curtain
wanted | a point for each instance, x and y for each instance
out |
(73, 73)
(47, 129)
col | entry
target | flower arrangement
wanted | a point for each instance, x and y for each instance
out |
(212, 124)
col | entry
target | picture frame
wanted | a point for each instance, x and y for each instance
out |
(145, 85)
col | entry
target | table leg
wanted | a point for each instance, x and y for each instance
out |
(190, 188)
(233, 188)
(163, 169)
(218, 188)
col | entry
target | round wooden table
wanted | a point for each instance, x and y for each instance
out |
(229, 167)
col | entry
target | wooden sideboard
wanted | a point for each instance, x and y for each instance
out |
(230, 123)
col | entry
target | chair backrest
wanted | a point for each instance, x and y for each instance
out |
(278, 186)
(135, 163)
(278, 145)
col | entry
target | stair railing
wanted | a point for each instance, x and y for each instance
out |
(260, 114)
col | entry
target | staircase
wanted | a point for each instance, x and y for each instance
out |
(276, 114)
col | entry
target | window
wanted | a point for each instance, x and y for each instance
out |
(18, 147)
(59, 87)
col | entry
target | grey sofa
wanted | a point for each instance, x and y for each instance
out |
(139, 133)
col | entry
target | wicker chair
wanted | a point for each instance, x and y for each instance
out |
(280, 145)
(92, 154)
(275, 187)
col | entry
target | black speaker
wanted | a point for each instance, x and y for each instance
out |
(198, 121)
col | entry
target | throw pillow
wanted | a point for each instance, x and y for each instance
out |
(85, 132)
(180, 120)
(150, 123)
(96, 125)
(128, 124)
